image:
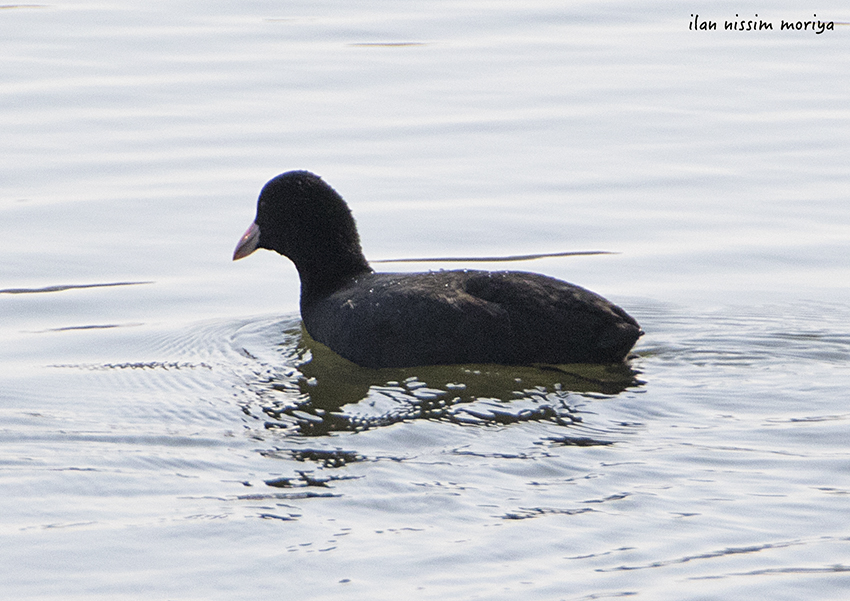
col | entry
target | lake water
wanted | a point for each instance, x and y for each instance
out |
(168, 432)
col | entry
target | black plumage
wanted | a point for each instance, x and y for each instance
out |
(431, 318)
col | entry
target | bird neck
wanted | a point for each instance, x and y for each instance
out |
(321, 280)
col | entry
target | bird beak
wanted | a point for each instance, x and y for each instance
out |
(248, 242)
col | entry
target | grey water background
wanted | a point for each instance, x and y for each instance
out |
(173, 435)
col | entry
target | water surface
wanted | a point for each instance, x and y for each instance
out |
(168, 430)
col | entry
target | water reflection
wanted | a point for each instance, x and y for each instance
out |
(318, 392)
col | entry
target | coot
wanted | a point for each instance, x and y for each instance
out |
(438, 317)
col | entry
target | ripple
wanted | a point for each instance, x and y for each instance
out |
(64, 287)
(289, 383)
(536, 512)
(327, 458)
(284, 382)
(710, 555)
(763, 336)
